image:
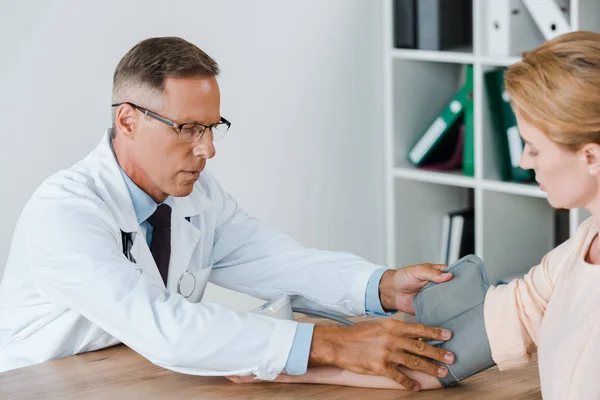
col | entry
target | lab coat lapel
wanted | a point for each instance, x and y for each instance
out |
(184, 239)
(143, 258)
(185, 235)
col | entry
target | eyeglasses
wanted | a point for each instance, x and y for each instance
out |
(187, 132)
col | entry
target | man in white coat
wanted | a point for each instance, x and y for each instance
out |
(119, 248)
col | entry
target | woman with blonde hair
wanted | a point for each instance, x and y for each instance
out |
(553, 310)
(555, 93)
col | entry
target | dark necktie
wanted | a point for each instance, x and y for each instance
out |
(160, 247)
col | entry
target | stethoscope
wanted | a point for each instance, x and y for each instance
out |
(187, 282)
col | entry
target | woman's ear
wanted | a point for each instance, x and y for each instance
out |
(591, 154)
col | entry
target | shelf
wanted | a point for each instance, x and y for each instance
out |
(514, 223)
(454, 178)
(458, 57)
(498, 61)
(455, 57)
(523, 189)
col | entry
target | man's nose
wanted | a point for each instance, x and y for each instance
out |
(205, 147)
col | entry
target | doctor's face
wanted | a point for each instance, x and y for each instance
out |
(166, 164)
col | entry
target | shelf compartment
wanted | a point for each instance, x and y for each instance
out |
(420, 208)
(421, 90)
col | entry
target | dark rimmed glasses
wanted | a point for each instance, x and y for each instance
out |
(186, 132)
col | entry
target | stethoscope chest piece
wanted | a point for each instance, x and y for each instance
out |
(186, 284)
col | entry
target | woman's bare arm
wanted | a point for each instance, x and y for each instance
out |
(336, 376)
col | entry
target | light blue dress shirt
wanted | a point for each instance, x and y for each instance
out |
(297, 363)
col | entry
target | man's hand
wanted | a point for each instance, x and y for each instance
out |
(379, 347)
(398, 287)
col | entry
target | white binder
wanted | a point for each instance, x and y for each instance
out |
(511, 27)
(551, 18)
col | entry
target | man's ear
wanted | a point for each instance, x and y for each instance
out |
(126, 119)
(591, 154)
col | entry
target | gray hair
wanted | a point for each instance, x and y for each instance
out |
(141, 73)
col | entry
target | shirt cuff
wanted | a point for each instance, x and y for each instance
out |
(372, 301)
(297, 363)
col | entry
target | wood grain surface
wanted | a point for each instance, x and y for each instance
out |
(120, 373)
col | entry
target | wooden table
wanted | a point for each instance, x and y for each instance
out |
(120, 373)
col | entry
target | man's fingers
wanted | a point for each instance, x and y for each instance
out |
(421, 348)
(412, 330)
(433, 273)
(439, 267)
(393, 373)
(419, 364)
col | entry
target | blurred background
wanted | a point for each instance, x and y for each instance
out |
(301, 83)
(376, 127)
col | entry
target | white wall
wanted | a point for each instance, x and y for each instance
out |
(301, 83)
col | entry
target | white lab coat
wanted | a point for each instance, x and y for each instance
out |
(68, 288)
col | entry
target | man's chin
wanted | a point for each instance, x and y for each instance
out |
(183, 189)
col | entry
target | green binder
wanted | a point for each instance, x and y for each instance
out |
(469, 146)
(439, 132)
(508, 140)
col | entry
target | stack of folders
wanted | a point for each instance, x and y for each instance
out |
(508, 141)
(447, 144)
(458, 235)
(433, 24)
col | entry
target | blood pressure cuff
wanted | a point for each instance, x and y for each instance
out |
(457, 305)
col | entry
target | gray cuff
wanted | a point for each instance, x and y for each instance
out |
(457, 305)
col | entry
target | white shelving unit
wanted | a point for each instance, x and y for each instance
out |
(514, 224)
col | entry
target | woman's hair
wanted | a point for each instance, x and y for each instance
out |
(556, 88)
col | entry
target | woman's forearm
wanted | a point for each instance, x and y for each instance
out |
(336, 376)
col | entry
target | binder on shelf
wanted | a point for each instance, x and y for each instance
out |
(468, 164)
(445, 239)
(405, 24)
(508, 140)
(510, 29)
(550, 17)
(432, 24)
(448, 155)
(441, 136)
(516, 25)
(561, 226)
(458, 235)
(444, 25)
